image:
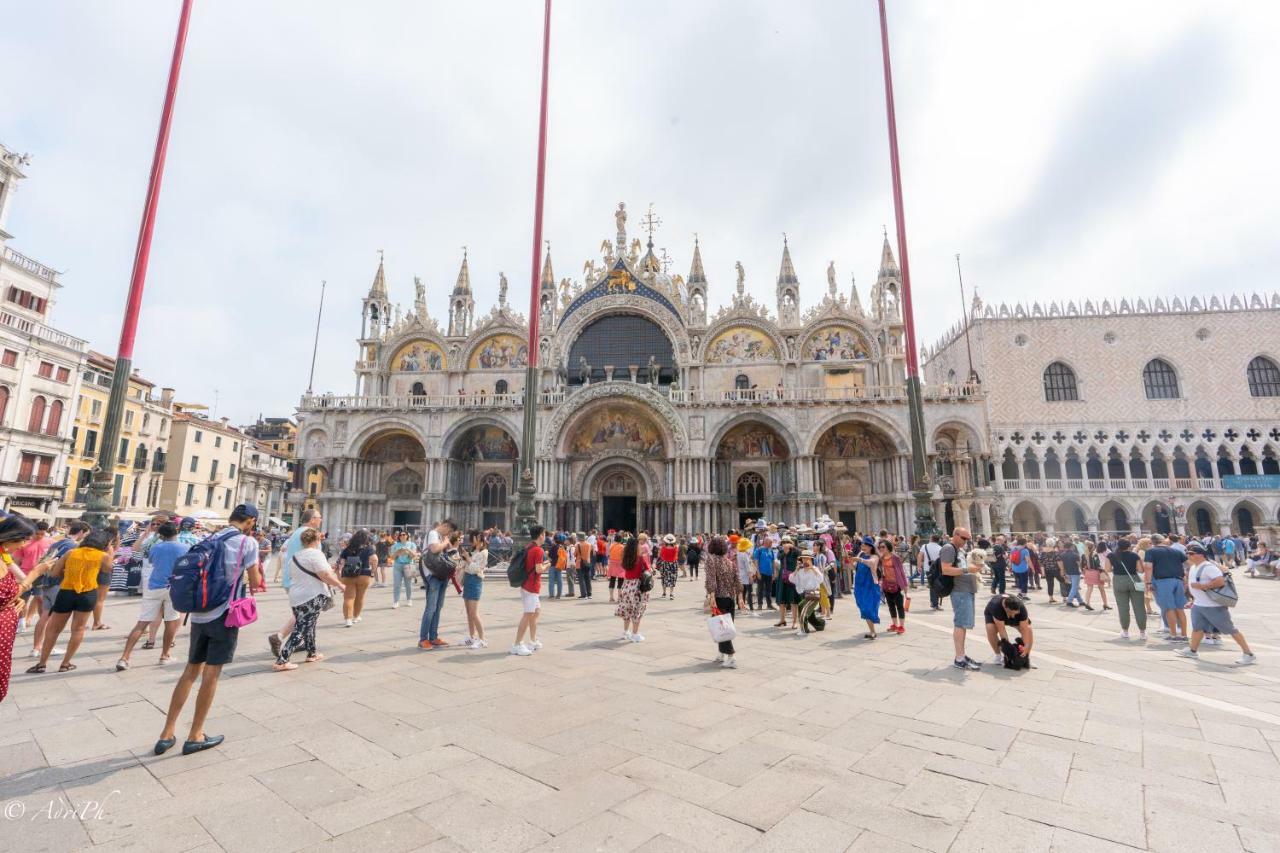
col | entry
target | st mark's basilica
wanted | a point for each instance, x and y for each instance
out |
(655, 410)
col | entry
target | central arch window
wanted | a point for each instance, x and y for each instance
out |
(622, 341)
(741, 382)
(1060, 383)
(1160, 380)
(751, 491)
(493, 491)
(404, 484)
(1264, 378)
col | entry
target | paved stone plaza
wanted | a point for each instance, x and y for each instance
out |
(822, 743)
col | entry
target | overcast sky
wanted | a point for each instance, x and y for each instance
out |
(1063, 149)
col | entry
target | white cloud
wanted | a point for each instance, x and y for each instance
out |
(310, 135)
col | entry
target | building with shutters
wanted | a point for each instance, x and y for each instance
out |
(202, 469)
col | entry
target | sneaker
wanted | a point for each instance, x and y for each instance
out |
(395, 605)
(998, 660)
(275, 642)
(731, 662)
(521, 650)
(800, 633)
(480, 644)
(467, 642)
(425, 645)
(1124, 635)
(348, 624)
(966, 664)
(626, 636)
(637, 638)
(1213, 641)
(1142, 635)
(358, 618)
(1187, 653)
(535, 645)
(719, 659)
(1246, 660)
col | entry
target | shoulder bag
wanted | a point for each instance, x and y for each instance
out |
(328, 596)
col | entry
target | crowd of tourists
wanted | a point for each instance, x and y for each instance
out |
(796, 574)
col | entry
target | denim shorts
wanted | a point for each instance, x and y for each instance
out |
(471, 586)
(1170, 593)
(962, 609)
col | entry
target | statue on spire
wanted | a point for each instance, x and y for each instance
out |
(831, 278)
(742, 277)
(620, 217)
(502, 288)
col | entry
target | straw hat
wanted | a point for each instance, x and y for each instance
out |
(744, 544)
(669, 539)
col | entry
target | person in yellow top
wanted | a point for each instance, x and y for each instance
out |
(77, 594)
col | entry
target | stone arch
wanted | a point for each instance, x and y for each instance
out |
(314, 444)
(1070, 516)
(609, 426)
(1246, 514)
(955, 428)
(763, 418)
(1202, 518)
(1158, 517)
(364, 436)
(728, 323)
(393, 351)
(391, 446)
(567, 334)
(461, 428)
(865, 418)
(1115, 514)
(807, 335)
(1027, 516)
(481, 336)
(586, 485)
(553, 432)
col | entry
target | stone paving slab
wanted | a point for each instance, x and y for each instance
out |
(825, 742)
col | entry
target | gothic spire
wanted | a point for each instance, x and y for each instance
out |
(548, 277)
(696, 274)
(378, 290)
(854, 300)
(888, 266)
(787, 272)
(464, 275)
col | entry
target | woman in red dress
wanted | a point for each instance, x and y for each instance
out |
(14, 532)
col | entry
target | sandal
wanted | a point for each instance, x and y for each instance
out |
(36, 670)
(868, 636)
(318, 656)
(149, 644)
(284, 667)
(66, 667)
(101, 627)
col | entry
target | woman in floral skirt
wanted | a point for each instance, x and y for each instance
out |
(668, 565)
(631, 601)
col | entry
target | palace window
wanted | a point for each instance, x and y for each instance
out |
(1060, 383)
(751, 492)
(1264, 378)
(1160, 380)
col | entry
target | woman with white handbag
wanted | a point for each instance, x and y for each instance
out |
(722, 586)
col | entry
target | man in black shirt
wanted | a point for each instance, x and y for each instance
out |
(999, 563)
(1001, 612)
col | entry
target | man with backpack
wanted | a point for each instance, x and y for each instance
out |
(964, 577)
(1001, 612)
(1210, 608)
(928, 556)
(223, 560)
(1020, 562)
(525, 572)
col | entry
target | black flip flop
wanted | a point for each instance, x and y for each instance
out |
(36, 670)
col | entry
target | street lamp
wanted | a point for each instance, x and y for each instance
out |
(98, 506)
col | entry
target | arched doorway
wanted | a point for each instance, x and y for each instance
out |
(1026, 518)
(750, 472)
(482, 467)
(615, 450)
(750, 494)
(859, 452)
(1070, 518)
(1157, 517)
(619, 498)
(1201, 519)
(1245, 516)
(1113, 518)
(393, 462)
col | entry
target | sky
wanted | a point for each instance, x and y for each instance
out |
(1064, 150)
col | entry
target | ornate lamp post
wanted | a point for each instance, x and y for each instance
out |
(525, 512)
(920, 478)
(98, 507)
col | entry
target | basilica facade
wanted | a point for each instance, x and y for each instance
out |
(654, 410)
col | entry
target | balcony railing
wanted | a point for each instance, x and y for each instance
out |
(1208, 484)
(30, 265)
(157, 466)
(42, 332)
(678, 396)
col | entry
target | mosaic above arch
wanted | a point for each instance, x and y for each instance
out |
(751, 441)
(500, 351)
(836, 343)
(418, 357)
(394, 447)
(853, 441)
(741, 345)
(486, 444)
(616, 427)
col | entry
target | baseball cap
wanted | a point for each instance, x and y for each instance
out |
(1197, 548)
(247, 510)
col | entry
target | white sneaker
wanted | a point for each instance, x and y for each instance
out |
(1186, 652)
(730, 662)
(348, 624)
(535, 645)
(998, 660)
(520, 650)
(358, 618)
(1246, 660)
(34, 653)
(626, 635)
(637, 638)
(468, 642)
(395, 605)
(1124, 635)
(1213, 641)
(1142, 635)
(719, 659)
(480, 644)
(22, 625)
(800, 633)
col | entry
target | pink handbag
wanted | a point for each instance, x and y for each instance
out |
(241, 611)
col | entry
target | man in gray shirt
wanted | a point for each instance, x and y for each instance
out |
(965, 590)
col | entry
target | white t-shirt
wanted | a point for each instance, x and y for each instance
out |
(805, 580)
(1204, 573)
(303, 586)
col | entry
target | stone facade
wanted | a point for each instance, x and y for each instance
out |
(1157, 415)
(652, 413)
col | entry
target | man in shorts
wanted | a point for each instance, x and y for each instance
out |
(535, 564)
(1207, 615)
(213, 644)
(1001, 612)
(1168, 577)
(963, 593)
(156, 603)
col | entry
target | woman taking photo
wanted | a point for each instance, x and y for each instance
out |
(893, 583)
(472, 585)
(866, 587)
(356, 564)
(722, 585)
(310, 578)
(631, 601)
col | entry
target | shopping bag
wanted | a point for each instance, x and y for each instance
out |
(721, 627)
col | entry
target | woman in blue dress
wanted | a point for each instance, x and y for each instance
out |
(866, 587)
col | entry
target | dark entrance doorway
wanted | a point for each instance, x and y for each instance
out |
(406, 518)
(849, 519)
(619, 512)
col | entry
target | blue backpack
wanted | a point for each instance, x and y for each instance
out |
(198, 582)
